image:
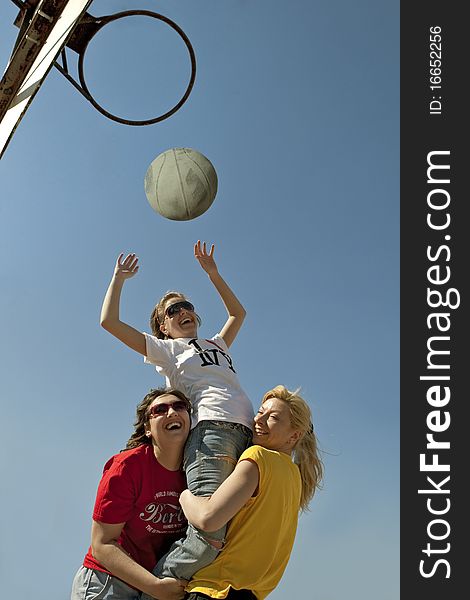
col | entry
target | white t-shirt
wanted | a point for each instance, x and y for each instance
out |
(203, 370)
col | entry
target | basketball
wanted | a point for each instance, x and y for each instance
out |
(181, 184)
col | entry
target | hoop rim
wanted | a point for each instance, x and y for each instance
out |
(105, 20)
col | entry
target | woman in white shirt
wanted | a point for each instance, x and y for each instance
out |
(204, 371)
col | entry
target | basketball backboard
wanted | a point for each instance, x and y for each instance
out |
(45, 27)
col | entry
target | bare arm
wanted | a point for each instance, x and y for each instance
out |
(124, 269)
(235, 310)
(209, 514)
(111, 555)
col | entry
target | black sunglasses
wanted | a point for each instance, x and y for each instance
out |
(175, 308)
(163, 408)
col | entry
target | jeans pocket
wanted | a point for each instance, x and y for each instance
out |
(97, 585)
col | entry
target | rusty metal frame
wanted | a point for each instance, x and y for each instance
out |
(36, 21)
(35, 27)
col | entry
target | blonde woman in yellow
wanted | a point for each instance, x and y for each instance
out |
(274, 479)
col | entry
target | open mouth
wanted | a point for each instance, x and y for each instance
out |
(186, 321)
(258, 432)
(173, 426)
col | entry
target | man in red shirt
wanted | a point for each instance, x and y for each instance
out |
(137, 515)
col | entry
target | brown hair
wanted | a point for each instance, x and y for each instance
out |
(139, 437)
(158, 314)
(306, 453)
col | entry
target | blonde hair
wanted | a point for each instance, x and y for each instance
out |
(158, 314)
(306, 454)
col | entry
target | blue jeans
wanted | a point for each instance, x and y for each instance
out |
(89, 584)
(211, 453)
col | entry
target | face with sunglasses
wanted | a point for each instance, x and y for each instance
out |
(180, 320)
(168, 418)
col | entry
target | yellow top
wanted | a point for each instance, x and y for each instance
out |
(261, 535)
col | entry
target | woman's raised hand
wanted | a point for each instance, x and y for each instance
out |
(126, 267)
(206, 259)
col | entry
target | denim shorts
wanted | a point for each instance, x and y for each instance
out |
(89, 584)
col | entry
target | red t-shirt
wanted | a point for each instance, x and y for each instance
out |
(136, 490)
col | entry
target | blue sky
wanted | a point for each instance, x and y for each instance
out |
(296, 104)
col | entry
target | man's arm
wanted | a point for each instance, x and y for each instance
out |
(235, 310)
(124, 269)
(209, 514)
(111, 555)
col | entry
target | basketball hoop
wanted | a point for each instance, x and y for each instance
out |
(84, 32)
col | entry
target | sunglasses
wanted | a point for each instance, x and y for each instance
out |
(164, 407)
(175, 308)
